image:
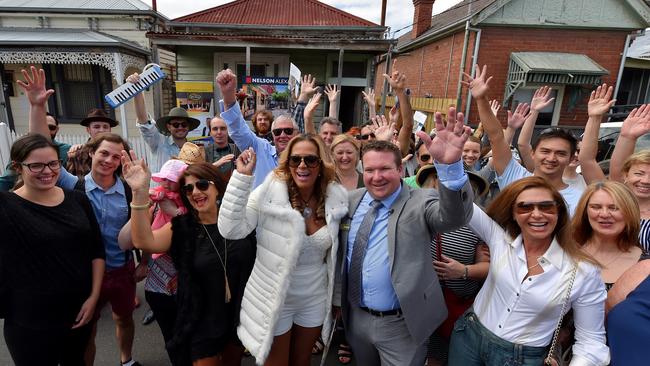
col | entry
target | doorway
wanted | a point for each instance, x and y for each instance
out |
(351, 107)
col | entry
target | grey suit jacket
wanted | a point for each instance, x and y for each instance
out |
(417, 214)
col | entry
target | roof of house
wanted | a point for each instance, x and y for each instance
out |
(76, 6)
(64, 37)
(278, 13)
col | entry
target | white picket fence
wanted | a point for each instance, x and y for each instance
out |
(7, 137)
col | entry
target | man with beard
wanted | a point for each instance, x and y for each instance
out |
(166, 136)
(262, 121)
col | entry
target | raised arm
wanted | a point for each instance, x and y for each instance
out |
(137, 176)
(515, 121)
(310, 109)
(479, 86)
(307, 89)
(34, 87)
(333, 94)
(397, 81)
(138, 101)
(369, 97)
(541, 99)
(635, 125)
(600, 101)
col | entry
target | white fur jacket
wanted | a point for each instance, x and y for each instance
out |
(280, 232)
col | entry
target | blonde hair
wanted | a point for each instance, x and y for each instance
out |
(641, 157)
(326, 175)
(624, 201)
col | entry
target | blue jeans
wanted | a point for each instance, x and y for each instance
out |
(473, 344)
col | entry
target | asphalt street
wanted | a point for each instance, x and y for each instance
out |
(148, 346)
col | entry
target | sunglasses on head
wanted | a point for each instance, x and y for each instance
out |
(425, 157)
(201, 185)
(179, 124)
(548, 207)
(52, 127)
(311, 161)
(365, 137)
(287, 131)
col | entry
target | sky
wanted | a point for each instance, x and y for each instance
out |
(399, 13)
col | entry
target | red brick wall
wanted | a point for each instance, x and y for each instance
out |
(427, 67)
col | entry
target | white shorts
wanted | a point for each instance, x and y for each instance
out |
(305, 316)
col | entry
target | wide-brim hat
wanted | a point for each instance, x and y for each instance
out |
(176, 113)
(423, 174)
(98, 115)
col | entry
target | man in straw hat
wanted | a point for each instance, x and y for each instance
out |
(166, 136)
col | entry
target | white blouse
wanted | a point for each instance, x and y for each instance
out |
(526, 310)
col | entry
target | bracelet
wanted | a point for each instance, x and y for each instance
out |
(466, 274)
(140, 207)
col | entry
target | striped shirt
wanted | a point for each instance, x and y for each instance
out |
(644, 235)
(461, 246)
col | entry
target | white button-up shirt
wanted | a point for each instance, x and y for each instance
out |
(526, 310)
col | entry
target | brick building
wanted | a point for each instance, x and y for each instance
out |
(570, 45)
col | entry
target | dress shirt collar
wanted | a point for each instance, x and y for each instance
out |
(554, 254)
(90, 185)
(386, 202)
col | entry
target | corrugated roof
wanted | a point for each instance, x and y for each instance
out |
(557, 62)
(265, 12)
(126, 5)
(62, 37)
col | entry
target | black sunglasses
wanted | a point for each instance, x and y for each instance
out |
(365, 137)
(425, 157)
(287, 131)
(311, 161)
(548, 207)
(52, 127)
(179, 124)
(201, 185)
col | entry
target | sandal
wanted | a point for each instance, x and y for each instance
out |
(318, 347)
(344, 354)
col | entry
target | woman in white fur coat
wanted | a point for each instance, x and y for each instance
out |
(296, 213)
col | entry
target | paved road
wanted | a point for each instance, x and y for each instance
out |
(148, 343)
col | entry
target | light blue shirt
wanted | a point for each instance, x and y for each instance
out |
(162, 147)
(244, 137)
(111, 210)
(377, 290)
(376, 285)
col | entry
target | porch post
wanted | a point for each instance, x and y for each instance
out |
(248, 61)
(340, 76)
(119, 77)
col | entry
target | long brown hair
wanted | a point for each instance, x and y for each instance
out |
(202, 170)
(624, 201)
(326, 175)
(501, 211)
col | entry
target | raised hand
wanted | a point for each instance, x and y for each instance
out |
(600, 101)
(246, 162)
(478, 85)
(224, 160)
(227, 82)
(447, 146)
(133, 78)
(541, 99)
(314, 102)
(135, 172)
(34, 86)
(393, 115)
(382, 129)
(308, 85)
(332, 91)
(495, 106)
(396, 79)
(517, 119)
(369, 97)
(637, 122)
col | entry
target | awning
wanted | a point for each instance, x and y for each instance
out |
(551, 68)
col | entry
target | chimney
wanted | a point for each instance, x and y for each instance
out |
(421, 16)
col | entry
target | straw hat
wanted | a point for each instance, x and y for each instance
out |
(191, 153)
(176, 113)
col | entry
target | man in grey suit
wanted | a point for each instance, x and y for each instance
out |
(390, 295)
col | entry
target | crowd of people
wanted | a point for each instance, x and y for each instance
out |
(419, 248)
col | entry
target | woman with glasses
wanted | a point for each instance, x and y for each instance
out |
(50, 277)
(537, 274)
(606, 224)
(296, 214)
(212, 271)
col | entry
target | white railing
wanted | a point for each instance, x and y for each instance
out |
(7, 137)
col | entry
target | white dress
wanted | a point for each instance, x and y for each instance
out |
(307, 293)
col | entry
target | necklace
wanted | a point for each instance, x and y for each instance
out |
(224, 264)
(306, 211)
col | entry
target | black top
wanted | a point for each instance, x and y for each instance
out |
(46, 256)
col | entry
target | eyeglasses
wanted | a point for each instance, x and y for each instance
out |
(54, 165)
(201, 184)
(311, 161)
(365, 137)
(425, 157)
(179, 124)
(548, 207)
(52, 127)
(287, 131)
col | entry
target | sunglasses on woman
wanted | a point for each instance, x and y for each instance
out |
(548, 207)
(201, 184)
(311, 161)
(365, 137)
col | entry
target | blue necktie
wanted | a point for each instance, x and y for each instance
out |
(359, 252)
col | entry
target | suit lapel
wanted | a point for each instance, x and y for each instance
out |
(396, 210)
(354, 201)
